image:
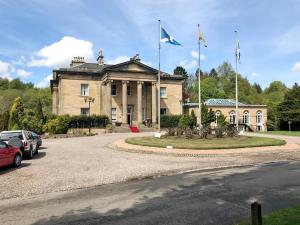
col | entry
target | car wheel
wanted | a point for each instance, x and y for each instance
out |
(36, 151)
(17, 160)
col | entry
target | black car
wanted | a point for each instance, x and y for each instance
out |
(37, 138)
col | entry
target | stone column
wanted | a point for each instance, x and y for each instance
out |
(154, 103)
(139, 102)
(124, 102)
(108, 99)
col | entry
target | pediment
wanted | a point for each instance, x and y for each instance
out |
(133, 66)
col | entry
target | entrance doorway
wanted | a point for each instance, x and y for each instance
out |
(129, 114)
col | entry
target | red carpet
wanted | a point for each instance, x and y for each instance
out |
(134, 129)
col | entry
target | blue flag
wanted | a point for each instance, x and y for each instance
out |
(165, 37)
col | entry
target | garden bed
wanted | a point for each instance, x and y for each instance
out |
(214, 143)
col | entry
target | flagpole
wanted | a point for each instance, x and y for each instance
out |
(236, 84)
(158, 86)
(199, 80)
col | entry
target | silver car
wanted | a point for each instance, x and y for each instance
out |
(22, 139)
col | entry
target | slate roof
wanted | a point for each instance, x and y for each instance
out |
(95, 68)
(221, 102)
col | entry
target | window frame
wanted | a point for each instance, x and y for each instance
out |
(81, 90)
(87, 110)
(259, 114)
(246, 117)
(114, 89)
(165, 94)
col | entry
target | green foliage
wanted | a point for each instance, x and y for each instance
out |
(193, 119)
(179, 70)
(185, 122)
(61, 124)
(4, 120)
(16, 114)
(169, 121)
(289, 109)
(207, 116)
(83, 121)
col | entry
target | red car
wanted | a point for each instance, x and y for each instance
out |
(9, 155)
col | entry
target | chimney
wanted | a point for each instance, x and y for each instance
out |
(100, 58)
(77, 61)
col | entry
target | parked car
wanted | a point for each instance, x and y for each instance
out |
(37, 138)
(22, 139)
(9, 155)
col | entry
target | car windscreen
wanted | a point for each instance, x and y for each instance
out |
(8, 136)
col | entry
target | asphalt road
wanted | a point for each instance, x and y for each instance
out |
(211, 197)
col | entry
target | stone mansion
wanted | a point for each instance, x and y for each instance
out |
(127, 93)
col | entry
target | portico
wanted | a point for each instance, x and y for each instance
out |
(131, 101)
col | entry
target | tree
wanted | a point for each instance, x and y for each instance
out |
(258, 88)
(224, 69)
(207, 116)
(213, 73)
(179, 70)
(272, 97)
(4, 83)
(289, 109)
(193, 119)
(4, 119)
(16, 84)
(16, 114)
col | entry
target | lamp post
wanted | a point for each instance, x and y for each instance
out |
(89, 100)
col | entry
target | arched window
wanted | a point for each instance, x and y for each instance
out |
(232, 117)
(246, 117)
(259, 117)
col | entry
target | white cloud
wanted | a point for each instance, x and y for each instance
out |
(60, 54)
(254, 74)
(296, 67)
(148, 63)
(45, 82)
(117, 60)
(5, 70)
(195, 55)
(23, 73)
(188, 64)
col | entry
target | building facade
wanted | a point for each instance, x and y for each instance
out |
(250, 117)
(126, 92)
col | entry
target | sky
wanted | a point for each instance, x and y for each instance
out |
(38, 36)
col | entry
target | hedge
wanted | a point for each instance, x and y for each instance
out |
(61, 124)
(169, 121)
(83, 121)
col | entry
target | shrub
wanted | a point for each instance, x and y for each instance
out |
(83, 121)
(231, 131)
(169, 121)
(193, 119)
(59, 125)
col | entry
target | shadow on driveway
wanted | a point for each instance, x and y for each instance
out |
(9, 169)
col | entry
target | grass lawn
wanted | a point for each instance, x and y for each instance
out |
(283, 132)
(217, 143)
(288, 216)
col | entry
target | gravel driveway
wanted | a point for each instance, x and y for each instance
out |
(65, 164)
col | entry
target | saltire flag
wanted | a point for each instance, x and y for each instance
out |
(165, 37)
(238, 52)
(201, 38)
